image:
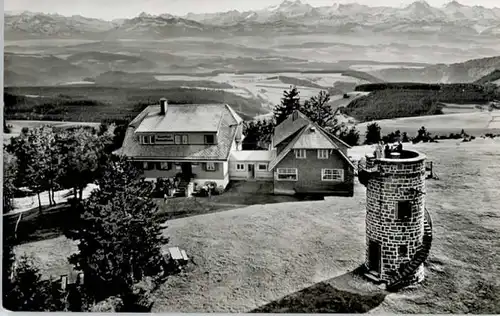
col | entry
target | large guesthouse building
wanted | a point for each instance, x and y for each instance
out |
(202, 143)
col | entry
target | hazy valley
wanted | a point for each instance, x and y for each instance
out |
(247, 58)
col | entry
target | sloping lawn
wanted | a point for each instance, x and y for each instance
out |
(285, 253)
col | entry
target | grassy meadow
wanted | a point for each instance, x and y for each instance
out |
(474, 123)
(251, 256)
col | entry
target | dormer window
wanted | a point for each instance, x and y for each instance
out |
(148, 139)
(181, 139)
(209, 139)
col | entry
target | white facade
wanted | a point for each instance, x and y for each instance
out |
(250, 164)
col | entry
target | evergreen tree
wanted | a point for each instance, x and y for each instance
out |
(28, 292)
(267, 131)
(119, 236)
(372, 134)
(256, 133)
(289, 103)
(8, 259)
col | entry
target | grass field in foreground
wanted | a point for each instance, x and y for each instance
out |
(255, 255)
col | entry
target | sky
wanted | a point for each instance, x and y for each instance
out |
(112, 9)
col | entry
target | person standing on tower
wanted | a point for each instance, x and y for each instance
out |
(399, 148)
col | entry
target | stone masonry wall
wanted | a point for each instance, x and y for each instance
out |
(394, 183)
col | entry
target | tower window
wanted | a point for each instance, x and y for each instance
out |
(403, 250)
(403, 210)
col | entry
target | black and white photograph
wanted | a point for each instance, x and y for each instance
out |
(231, 156)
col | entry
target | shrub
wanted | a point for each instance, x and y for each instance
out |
(219, 190)
(372, 134)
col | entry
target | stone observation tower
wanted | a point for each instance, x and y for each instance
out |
(398, 226)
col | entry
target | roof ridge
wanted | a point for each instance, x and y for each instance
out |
(235, 115)
(335, 137)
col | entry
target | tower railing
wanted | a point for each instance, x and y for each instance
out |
(366, 168)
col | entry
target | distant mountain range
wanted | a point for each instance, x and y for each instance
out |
(289, 16)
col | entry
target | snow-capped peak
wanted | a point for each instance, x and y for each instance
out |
(145, 15)
(419, 4)
(454, 4)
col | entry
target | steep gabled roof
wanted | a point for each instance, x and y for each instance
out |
(335, 138)
(292, 125)
(311, 136)
(285, 151)
(289, 127)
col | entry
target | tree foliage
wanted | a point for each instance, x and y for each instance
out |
(119, 237)
(422, 136)
(350, 136)
(257, 134)
(9, 178)
(289, 103)
(318, 109)
(37, 154)
(372, 134)
(8, 259)
(49, 158)
(82, 153)
(393, 137)
(26, 291)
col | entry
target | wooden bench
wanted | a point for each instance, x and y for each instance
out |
(176, 257)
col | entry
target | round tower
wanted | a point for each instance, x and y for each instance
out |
(398, 231)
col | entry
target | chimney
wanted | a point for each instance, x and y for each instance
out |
(163, 106)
